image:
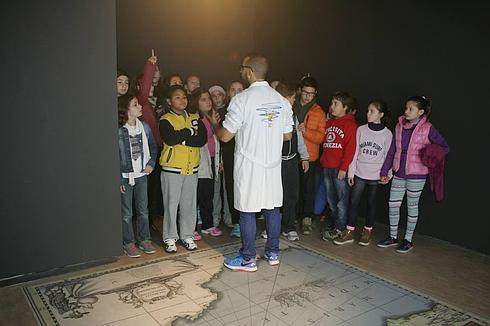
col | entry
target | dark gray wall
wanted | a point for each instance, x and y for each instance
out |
(370, 48)
(59, 195)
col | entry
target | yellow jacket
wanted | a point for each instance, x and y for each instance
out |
(182, 136)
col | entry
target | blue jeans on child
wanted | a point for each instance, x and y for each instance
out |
(337, 197)
(140, 194)
(248, 229)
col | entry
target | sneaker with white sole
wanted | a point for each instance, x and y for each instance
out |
(388, 242)
(170, 245)
(189, 244)
(147, 247)
(196, 236)
(131, 251)
(405, 246)
(293, 236)
(213, 231)
(272, 258)
(240, 264)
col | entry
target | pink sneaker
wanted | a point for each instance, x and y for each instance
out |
(197, 236)
(214, 231)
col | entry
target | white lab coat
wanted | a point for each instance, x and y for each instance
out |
(258, 116)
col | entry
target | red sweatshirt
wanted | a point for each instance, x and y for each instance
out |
(340, 143)
(148, 112)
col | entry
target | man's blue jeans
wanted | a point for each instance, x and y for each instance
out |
(136, 195)
(248, 229)
(337, 197)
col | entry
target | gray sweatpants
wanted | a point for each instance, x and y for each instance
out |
(179, 192)
(218, 204)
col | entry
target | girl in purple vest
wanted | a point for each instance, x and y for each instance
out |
(412, 133)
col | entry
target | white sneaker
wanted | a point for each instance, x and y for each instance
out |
(263, 235)
(170, 245)
(189, 244)
(293, 236)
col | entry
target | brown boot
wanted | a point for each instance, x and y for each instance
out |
(365, 237)
(347, 236)
(306, 226)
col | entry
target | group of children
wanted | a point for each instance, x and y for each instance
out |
(173, 165)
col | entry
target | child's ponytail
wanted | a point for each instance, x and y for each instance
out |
(423, 103)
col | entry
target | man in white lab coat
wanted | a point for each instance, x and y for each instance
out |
(260, 119)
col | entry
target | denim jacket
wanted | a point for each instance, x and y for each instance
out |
(125, 149)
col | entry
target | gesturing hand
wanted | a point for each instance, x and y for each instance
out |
(153, 59)
(215, 118)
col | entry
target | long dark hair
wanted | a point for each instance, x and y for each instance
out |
(193, 106)
(123, 107)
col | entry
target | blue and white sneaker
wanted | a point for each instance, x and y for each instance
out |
(235, 232)
(240, 264)
(272, 258)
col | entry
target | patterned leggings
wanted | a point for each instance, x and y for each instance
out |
(413, 188)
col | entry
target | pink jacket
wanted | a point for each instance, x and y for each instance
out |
(420, 138)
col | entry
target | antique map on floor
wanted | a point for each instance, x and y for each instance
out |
(306, 288)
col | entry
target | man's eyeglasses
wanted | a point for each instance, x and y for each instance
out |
(308, 93)
(243, 67)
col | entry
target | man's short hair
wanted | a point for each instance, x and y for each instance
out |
(259, 65)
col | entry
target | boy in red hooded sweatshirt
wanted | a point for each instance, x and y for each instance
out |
(338, 152)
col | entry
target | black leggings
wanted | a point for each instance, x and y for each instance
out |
(356, 194)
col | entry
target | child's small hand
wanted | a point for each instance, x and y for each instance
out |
(148, 169)
(215, 118)
(220, 168)
(341, 175)
(302, 127)
(153, 59)
(305, 165)
(122, 189)
(350, 181)
(384, 179)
